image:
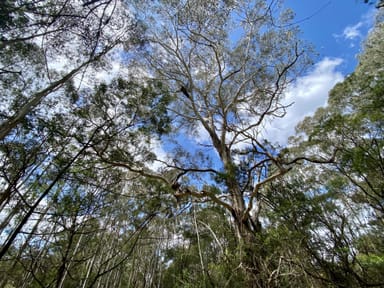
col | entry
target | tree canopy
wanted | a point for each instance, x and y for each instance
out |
(132, 150)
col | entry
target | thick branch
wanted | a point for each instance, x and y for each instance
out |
(257, 187)
(7, 126)
(202, 194)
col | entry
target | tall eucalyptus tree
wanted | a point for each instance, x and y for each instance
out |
(228, 64)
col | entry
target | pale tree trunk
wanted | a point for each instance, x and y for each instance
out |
(117, 279)
(7, 220)
(25, 244)
(88, 270)
(15, 184)
(33, 207)
(109, 255)
(44, 194)
(35, 264)
(69, 261)
(7, 126)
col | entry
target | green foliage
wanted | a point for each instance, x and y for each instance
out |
(343, 237)
(90, 208)
(215, 240)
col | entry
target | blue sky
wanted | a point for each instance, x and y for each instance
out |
(336, 29)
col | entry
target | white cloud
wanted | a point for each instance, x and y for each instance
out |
(353, 32)
(307, 94)
(359, 30)
(161, 155)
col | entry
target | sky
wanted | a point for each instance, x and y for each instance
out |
(336, 29)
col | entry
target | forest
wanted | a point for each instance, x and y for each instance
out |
(132, 149)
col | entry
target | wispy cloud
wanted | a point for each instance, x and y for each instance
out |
(358, 30)
(353, 32)
(156, 146)
(307, 94)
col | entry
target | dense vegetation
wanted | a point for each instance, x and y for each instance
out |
(132, 150)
